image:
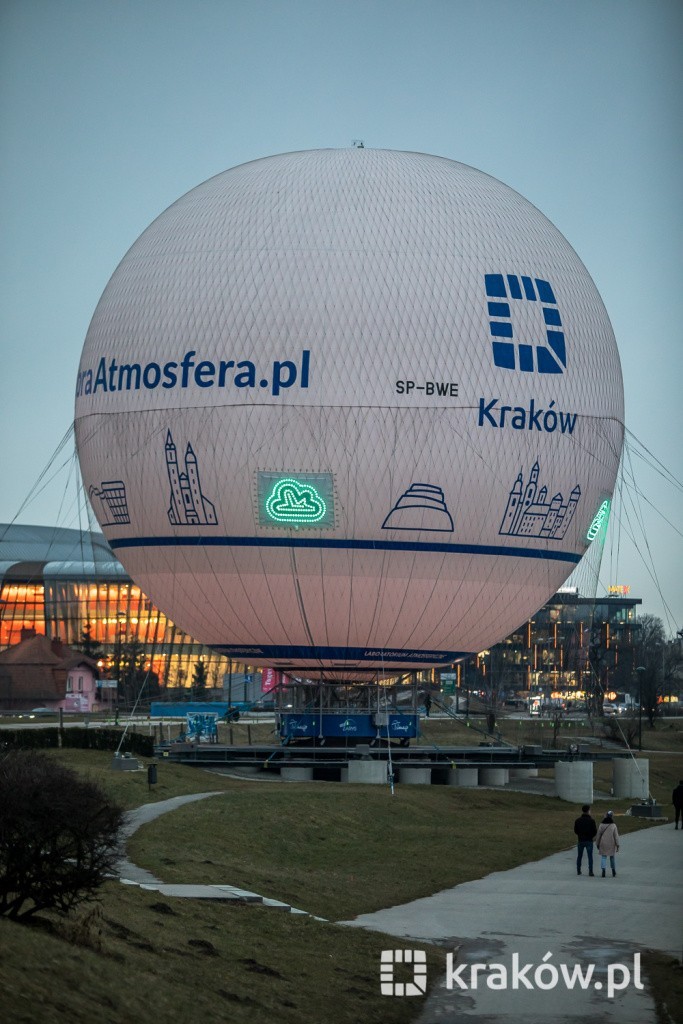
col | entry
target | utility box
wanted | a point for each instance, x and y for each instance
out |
(125, 763)
(647, 811)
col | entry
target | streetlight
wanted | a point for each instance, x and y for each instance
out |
(640, 670)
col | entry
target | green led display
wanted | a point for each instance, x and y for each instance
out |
(296, 499)
(599, 519)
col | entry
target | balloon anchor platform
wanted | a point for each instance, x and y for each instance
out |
(316, 760)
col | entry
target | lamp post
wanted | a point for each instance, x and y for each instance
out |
(639, 671)
(118, 652)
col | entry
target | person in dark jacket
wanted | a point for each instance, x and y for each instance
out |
(677, 801)
(585, 830)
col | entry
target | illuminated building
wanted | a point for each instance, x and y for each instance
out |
(60, 582)
(574, 646)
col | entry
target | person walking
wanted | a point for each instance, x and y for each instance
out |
(607, 842)
(677, 801)
(585, 830)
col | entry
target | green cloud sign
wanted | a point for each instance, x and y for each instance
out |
(293, 501)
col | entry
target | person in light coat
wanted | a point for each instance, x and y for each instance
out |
(607, 842)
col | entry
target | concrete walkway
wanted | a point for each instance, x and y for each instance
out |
(546, 908)
(133, 820)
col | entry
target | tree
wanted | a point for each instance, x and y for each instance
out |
(59, 836)
(672, 664)
(88, 644)
(132, 672)
(650, 648)
(600, 663)
(621, 729)
(199, 680)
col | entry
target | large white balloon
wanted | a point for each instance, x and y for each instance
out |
(351, 410)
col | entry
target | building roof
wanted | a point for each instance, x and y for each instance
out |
(35, 670)
(40, 650)
(28, 552)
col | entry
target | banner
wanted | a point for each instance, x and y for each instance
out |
(270, 678)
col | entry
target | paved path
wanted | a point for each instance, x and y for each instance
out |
(544, 907)
(131, 874)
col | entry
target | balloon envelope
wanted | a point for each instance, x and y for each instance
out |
(350, 410)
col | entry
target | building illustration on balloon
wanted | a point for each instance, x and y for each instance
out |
(421, 507)
(530, 514)
(188, 505)
(110, 498)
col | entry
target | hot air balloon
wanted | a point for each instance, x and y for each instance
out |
(350, 411)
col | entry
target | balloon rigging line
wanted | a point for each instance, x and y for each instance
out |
(633, 486)
(36, 489)
(649, 567)
(656, 463)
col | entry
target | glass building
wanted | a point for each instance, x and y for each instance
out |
(575, 648)
(60, 582)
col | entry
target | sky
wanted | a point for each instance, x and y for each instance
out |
(112, 109)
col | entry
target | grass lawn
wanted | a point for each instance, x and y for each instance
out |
(130, 789)
(141, 957)
(337, 850)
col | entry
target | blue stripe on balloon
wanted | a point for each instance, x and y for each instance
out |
(276, 652)
(343, 545)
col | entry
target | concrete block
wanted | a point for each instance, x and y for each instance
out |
(368, 772)
(574, 781)
(631, 777)
(465, 778)
(415, 776)
(491, 776)
(296, 773)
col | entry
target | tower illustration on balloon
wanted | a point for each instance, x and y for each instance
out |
(188, 506)
(354, 411)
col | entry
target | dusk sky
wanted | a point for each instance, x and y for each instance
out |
(112, 109)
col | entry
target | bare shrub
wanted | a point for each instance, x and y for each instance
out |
(59, 836)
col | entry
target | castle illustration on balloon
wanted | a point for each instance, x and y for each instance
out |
(188, 505)
(530, 514)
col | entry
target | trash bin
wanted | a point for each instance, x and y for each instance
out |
(151, 775)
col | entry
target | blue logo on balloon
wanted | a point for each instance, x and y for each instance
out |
(502, 291)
